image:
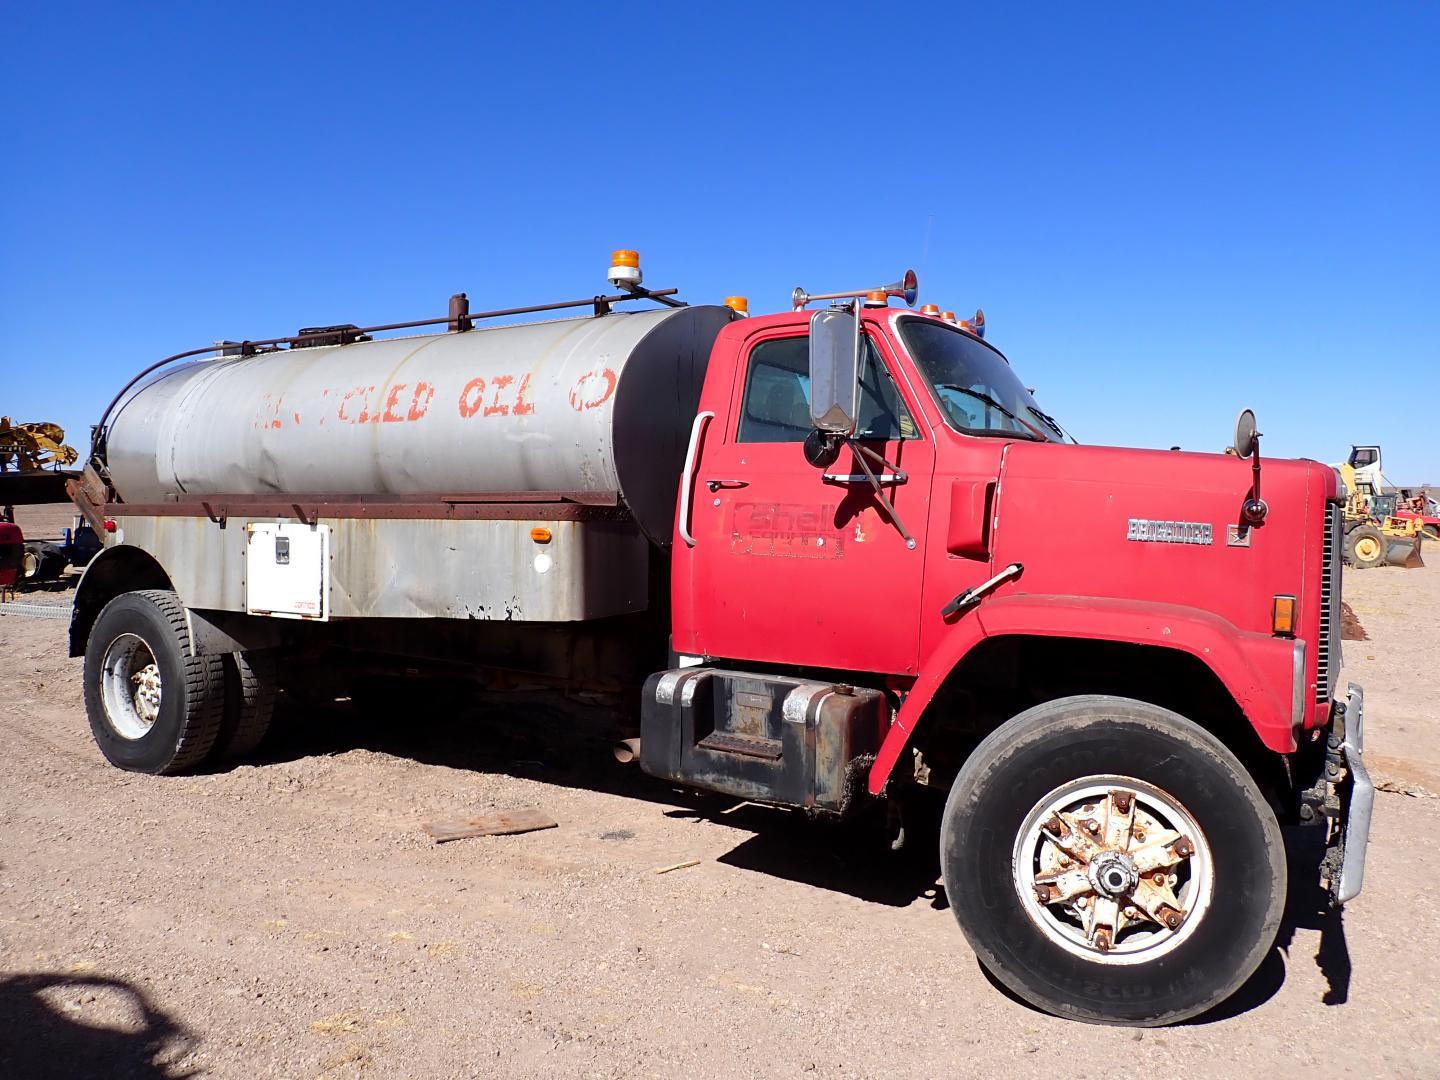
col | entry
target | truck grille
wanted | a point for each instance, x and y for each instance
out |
(1327, 669)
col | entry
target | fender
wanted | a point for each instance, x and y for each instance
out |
(118, 568)
(1256, 669)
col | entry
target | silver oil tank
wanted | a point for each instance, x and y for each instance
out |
(597, 404)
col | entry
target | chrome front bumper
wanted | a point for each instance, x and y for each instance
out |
(1357, 802)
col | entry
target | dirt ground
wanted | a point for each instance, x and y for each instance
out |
(289, 918)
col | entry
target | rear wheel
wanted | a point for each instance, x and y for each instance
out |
(1112, 862)
(1365, 547)
(1431, 532)
(250, 690)
(153, 707)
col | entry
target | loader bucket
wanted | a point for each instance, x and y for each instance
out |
(1403, 551)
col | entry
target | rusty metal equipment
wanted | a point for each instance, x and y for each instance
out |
(33, 447)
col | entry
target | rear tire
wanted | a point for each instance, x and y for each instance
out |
(251, 686)
(1096, 955)
(1365, 547)
(153, 707)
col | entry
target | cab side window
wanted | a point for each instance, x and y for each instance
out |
(777, 395)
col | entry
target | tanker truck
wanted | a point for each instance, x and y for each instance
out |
(815, 552)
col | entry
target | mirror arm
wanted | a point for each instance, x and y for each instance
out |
(861, 453)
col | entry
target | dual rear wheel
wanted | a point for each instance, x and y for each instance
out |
(154, 706)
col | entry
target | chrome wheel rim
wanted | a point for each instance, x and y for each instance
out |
(130, 687)
(1113, 869)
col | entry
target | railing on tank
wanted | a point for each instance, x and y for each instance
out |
(459, 320)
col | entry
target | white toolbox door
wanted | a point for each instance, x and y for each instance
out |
(287, 570)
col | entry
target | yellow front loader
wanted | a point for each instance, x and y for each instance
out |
(1374, 536)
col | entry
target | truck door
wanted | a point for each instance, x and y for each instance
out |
(796, 564)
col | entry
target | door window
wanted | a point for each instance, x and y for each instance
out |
(777, 395)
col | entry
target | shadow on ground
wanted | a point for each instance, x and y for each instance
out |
(560, 742)
(45, 1033)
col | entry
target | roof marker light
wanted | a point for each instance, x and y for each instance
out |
(948, 316)
(931, 309)
(877, 298)
(738, 304)
(625, 268)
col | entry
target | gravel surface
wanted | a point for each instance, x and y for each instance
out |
(290, 918)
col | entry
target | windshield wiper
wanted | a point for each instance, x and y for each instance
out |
(1034, 431)
(1051, 423)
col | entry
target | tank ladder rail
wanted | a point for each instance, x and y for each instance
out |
(459, 319)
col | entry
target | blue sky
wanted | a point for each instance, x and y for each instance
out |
(1167, 212)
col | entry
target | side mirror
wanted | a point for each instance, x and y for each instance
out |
(822, 448)
(834, 372)
(1245, 434)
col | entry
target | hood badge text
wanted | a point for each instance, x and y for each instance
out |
(1170, 532)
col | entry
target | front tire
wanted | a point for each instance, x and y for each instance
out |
(1365, 547)
(1112, 862)
(153, 707)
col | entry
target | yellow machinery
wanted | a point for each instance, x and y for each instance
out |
(1374, 536)
(33, 447)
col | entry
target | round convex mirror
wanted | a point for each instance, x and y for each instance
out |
(1245, 433)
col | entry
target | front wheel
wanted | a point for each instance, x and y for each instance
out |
(1111, 861)
(1365, 547)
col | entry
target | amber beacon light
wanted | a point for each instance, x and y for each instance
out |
(625, 268)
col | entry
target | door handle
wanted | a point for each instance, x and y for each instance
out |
(688, 476)
(716, 485)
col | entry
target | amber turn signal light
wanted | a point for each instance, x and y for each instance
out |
(1282, 616)
(540, 536)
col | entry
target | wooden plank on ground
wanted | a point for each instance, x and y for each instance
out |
(500, 823)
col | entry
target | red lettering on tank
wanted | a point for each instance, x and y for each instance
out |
(366, 416)
(472, 397)
(270, 414)
(593, 389)
(420, 400)
(495, 408)
(358, 391)
(392, 402)
(522, 407)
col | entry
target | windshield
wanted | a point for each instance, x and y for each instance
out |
(978, 391)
